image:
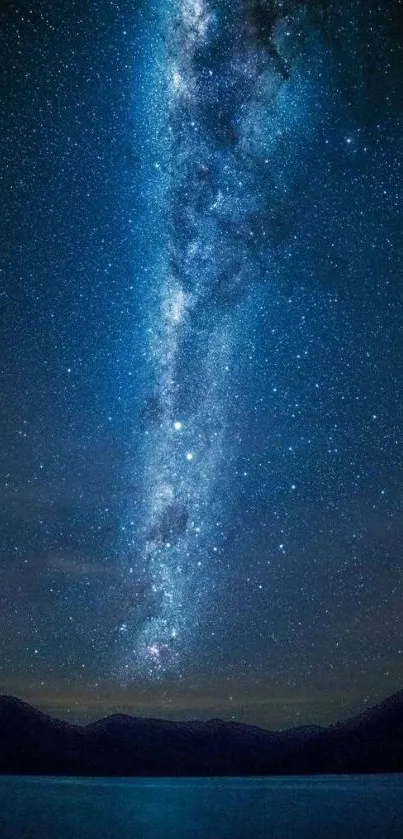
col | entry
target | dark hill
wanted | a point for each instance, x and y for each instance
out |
(33, 743)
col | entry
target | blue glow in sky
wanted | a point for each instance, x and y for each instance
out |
(201, 357)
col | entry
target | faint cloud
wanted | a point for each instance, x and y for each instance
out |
(72, 566)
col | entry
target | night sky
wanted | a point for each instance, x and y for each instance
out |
(201, 357)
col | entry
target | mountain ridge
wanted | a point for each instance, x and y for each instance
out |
(32, 742)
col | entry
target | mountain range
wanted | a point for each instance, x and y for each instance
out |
(32, 742)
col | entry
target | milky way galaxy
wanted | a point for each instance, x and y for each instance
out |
(201, 357)
(236, 92)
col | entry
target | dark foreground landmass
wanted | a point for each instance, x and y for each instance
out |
(33, 743)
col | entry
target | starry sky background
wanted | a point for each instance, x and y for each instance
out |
(264, 259)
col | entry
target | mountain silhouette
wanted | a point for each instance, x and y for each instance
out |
(34, 743)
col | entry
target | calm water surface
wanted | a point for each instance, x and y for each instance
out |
(321, 807)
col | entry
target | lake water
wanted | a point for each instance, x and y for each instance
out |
(321, 807)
